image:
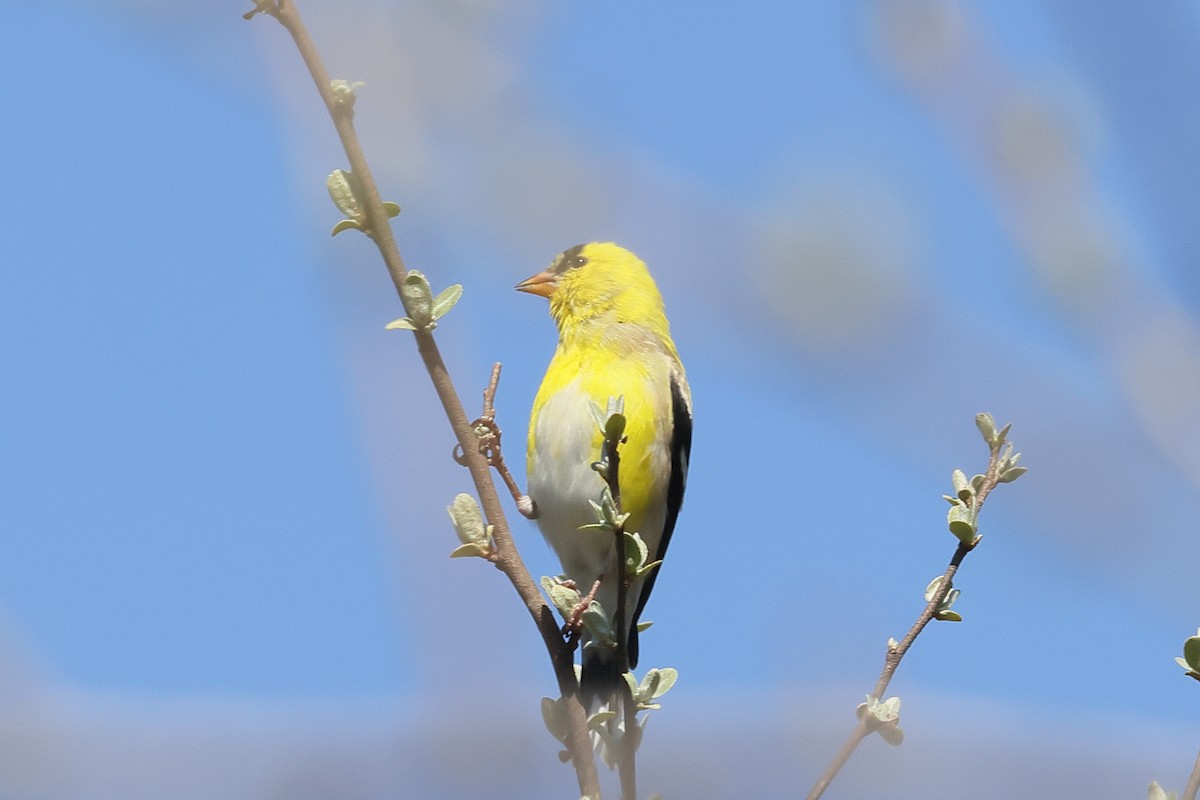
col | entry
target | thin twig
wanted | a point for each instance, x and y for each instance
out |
(895, 653)
(508, 559)
(627, 763)
(489, 443)
(860, 732)
(1193, 784)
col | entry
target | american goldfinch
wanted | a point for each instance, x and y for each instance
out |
(613, 341)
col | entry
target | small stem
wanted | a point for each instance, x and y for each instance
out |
(489, 394)
(895, 655)
(1193, 784)
(614, 486)
(859, 733)
(342, 115)
(496, 455)
(627, 764)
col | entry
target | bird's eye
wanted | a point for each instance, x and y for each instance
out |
(578, 261)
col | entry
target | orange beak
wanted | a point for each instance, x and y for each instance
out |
(543, 284)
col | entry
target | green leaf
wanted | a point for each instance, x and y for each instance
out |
(344, 190)
(554, 715)
(962, 487)
(607, 517)
(1012, 473)
(664, 679)
(417, 298)
(565, 598)
(343, 91)
(467, 519)
(948, 616)
(469, 550)
(932, 588)
(446, 300)
(614, 427)
(401, 324)
(987, 427)
(598, 625)
(598, 415)
(961, 522)
(1002, 434)
(1191, 652)
(636, 553)
(879, 711)
(1156, 792)
(597, 720)
(647, 569)
(391, 209)
(891, 734)
(345, 225)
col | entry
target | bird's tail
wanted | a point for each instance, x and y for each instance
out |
(599, 680)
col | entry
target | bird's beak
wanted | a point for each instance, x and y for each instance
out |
(542, 284)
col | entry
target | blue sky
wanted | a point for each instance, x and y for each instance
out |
(224, 481)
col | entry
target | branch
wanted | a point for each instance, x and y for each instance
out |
(340, 105)
(623, 747)
(966, 504)
(614, 436)
(488, 434)
(1193, 784)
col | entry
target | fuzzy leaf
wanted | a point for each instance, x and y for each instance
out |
(932, 588)
(446, 300)
(647, 569)
(961, 522)
(665, 678)
(1191, 652)
(554, 715)
(598, 415)
(614, 427)
(401, 324)
(343, 190)
(1156, 792)
(597, 720)
(987, 426)
(598, 624)
(891, 734)
(345, 225)
(468, 520)
(417, 298)
(1012, 473)
(962, 487)
(469, 550)
(565, 598)
(1002, 434)
(343, 92)
(636, 552)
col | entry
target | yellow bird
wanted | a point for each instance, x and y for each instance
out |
(613, 341)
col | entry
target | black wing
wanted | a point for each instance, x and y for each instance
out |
(681, 449)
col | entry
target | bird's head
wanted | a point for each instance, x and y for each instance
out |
(599, 283)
